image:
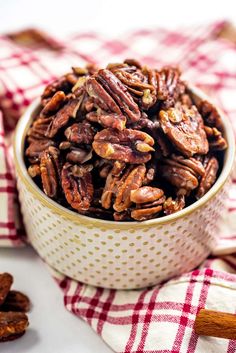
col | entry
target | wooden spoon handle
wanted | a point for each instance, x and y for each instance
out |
(215, 324)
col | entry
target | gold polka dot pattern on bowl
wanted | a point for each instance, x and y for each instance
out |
(129, 257)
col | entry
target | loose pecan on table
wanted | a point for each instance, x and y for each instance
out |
(13, 306)
(126, 142)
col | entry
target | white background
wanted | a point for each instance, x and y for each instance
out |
(52, 328)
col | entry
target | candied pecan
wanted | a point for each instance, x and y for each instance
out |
(182, 177)
(80, 133)
(131, 180)
(109, 190)
(146, 194)
(12, 324)
(54, 103)
(61, 118)
(143, 214)
(171, 206)
(61, 84)
(130, 146)
(194, 165)
(39, 129)
(50, 170)
(79, 155)
(6, 281)
(184, 127)
(169, 85)
(209, 177)
(16, 301)
(78, 191)
(113, 120)
(215, 139)
(120, 94)
(36, 148)
(103, 99)
(210, 115)
(34, 170)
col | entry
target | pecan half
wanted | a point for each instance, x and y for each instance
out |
(61, 84)
(210, 115)
(16, 301)
(209, 176)
(78, 191)
(36, 148)
(143, 214)
(6, 281)
(146, 194)
(113, 120)
(61, 118)
(120, 94)
(184, 127)
(80, 133)
(39, 129)
(50, 170)
(130, 146)
(54, 103)
(12, 324)
(102, 98)
(131, 180)
(178, 175)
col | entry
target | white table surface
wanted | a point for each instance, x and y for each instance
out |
(52, 328)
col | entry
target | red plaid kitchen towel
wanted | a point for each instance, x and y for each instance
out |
(158, 319)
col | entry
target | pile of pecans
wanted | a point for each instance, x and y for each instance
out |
(13, 306)
(124, 143)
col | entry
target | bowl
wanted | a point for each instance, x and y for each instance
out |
(121, 255)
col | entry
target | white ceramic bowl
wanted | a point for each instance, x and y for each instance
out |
(120, 254)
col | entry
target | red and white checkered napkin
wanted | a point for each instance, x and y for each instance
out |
(153, 320)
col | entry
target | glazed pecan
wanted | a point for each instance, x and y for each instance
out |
(36, 148)
(6, 281)
(210, 115)
(50, 171)
(61, 84)
(119, 93)
(54, 103)
(80, 133)
(184, 127)
(130, 146)
(179, 175)
(146, 194)
(143, 214)
(61, 118)
(16, 301)
(101, 97)
(12, 325)
(78, 191)
(39, 129)
(131, 180)
(169, 85)
(113, 120)
(174, 205)
(215, 139)
(209, 177)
